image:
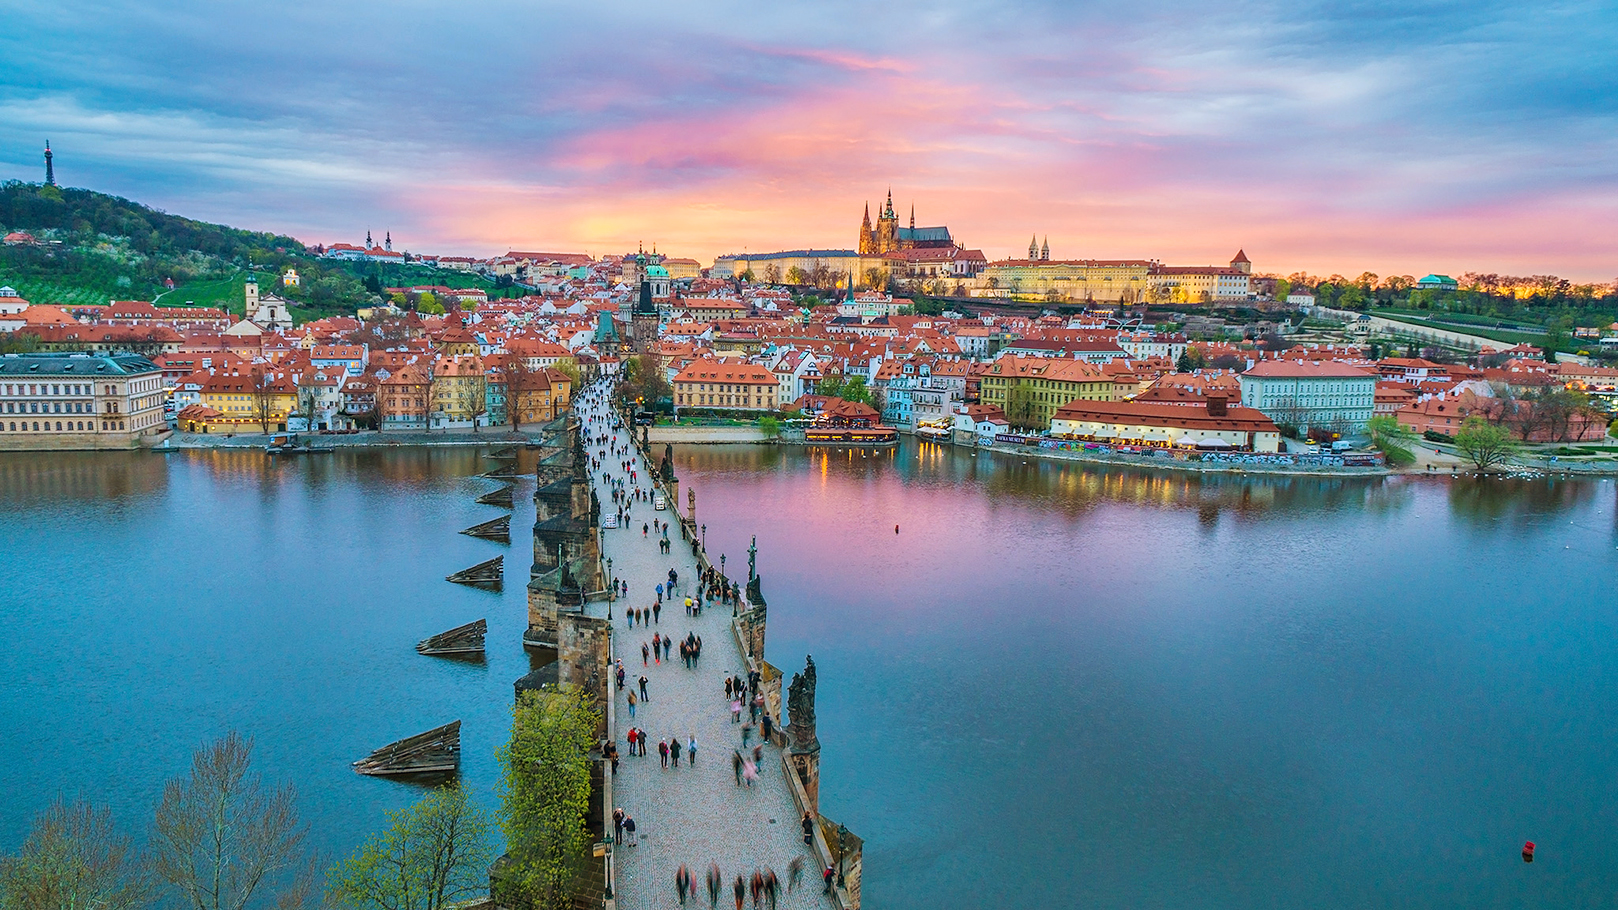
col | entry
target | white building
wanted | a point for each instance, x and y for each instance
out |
(1333, 397)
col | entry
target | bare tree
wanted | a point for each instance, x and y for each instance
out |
(222, 836)
(263, 385)
(74, 859)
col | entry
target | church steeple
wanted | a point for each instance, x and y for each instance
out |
(387, 241)
(1033, 248)
(50, 170)
(368, 242)
(887, 210)
(1045, 249)
(912, 216)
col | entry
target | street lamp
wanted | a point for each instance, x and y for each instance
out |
(612, 589)
(705, 537)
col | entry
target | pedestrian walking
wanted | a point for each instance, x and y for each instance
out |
(736, 766)
(629, 829)
(795, 873)
(740, 890)
(682, 882)
(645, 652)
(749, 772)
(765, 727)
(668, 645)
(618, 825)
(657, 647)
(640, 742)
(643, 682)
(631, 702)
(771, 886)
(747, 734)
(727, 688)
(757, 883)
(691, 752)
(758, 756)
(808, 829)
(674, 751)
(612, 755)
(715, 883)
(659, 594)
(663, 752)
(735, 712)
(657, 610)
(830, 873)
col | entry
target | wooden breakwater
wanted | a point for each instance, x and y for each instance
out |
(435, 752)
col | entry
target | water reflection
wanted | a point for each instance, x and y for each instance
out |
(33, 478)
(1514, 503)
(1070, 487)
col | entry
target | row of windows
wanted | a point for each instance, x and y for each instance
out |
(737, 401)
(61, 426)
(49, 407)
(42, 388)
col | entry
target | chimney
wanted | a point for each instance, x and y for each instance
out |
(1216, 405)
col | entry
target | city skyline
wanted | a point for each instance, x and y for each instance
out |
(1395, 140)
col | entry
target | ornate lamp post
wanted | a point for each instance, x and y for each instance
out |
(705, 537)
(612, 589)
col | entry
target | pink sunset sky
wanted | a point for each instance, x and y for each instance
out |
(1399, 139)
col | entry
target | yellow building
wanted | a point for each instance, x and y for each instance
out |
(257, 401)
(459, 393)
(536, 396)
(1030, 389)
(1103, 280)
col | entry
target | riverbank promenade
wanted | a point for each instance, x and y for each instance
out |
(695, 814)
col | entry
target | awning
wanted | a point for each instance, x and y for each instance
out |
(1104, 433)
(1186, 441)
(1213, 444)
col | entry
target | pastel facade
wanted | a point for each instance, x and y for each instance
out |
(79, 401)
(1333, 397)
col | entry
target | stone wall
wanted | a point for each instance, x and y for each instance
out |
(699, 435)
(584, 658)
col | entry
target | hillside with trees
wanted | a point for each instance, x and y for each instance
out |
(93, 248)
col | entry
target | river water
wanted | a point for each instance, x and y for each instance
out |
(1055, 685)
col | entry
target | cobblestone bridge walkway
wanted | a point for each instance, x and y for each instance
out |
(695, 814)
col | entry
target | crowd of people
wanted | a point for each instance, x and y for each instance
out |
(742, 693)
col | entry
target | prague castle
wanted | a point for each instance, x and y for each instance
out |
(886, 236)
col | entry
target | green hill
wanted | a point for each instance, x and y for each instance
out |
(99, 248)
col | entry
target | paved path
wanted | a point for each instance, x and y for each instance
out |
(694, 815)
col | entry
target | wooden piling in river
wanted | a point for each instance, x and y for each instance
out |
(467, 639)
(489, 575)
(498, 529)
(500, 497)
(438, 751)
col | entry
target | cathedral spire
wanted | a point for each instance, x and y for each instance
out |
(1045, 250)
(50, 170)
(368, 242)
(1033, 248)
(912, 216)
(387, 241)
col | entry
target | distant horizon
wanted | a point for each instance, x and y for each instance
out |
(1383, 138)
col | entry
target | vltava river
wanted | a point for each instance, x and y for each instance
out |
(1054, 686)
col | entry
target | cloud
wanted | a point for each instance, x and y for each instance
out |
(1327, 136)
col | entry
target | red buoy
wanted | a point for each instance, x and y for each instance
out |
(1528, 852)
